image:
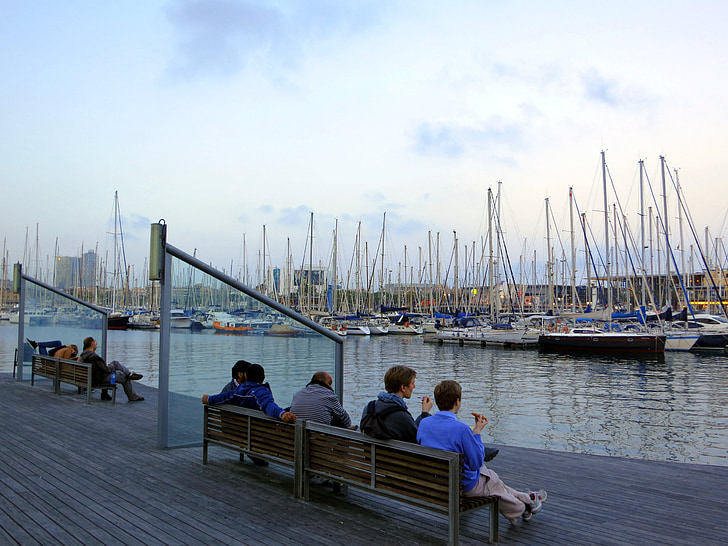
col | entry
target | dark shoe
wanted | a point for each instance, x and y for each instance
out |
(105, 395)
(31, 343)
(137, 399)
(135, 376)
(258, 462)
(490, 454)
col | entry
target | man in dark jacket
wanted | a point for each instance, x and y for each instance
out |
(238, 373)
(101, 372)
(253, 394)
(393, 420)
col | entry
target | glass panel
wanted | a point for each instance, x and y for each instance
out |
(214, 325)
(52, 319)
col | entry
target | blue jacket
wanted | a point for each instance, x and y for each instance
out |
(249, 395)
(444, 431)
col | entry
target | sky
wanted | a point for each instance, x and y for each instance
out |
(222, 116)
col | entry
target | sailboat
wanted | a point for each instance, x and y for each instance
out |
(609, 338)
(118, 320)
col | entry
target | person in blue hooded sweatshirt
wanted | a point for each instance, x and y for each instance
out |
(253, 394)
(389, 410)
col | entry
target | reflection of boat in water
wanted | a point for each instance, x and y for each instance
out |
(283, 330)
(597, 340)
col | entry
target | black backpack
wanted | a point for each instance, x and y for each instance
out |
(372, 424)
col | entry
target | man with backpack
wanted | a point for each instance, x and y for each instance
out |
(387, 417)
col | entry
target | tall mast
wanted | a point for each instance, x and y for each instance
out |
(606, 235)
(310, 266)
(667, 234)
(549, 261)
(383, 294)
(335, 258)
(491, 283)
(573, 249)
(642, 230)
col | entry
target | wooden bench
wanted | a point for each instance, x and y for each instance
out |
(72, 372)
(410, 473)
(249, 432)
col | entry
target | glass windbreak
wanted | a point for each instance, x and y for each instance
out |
(213, 325)
(53, 320)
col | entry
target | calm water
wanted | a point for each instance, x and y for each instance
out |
(673, 408)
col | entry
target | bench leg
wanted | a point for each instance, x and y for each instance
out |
(494, 514)
(113, 395)
(204, 451)
(454, 528)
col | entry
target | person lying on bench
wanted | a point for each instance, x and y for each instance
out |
(69, 352)
(253, 394)
(102, 371)
(45, 347)
(444, 431)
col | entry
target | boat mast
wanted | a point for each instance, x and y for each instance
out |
(666, 286)
(573, 249)
(310, 267)
(606, 235)
(335, 258)
(642, 229)
(587, 255)
(491, 289)
(429, 264)
(549, 261)
(456, 286)
(383, 298)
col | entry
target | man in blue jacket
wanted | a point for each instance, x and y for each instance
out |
(444, 431)
(252, 394)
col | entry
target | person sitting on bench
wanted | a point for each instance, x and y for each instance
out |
(253, 394)
(444, 431)
(102, 371)
(387, 417)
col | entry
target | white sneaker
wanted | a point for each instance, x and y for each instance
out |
(537, 498)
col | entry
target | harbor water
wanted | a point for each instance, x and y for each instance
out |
(669, 408)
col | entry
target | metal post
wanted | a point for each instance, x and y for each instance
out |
(164, 308)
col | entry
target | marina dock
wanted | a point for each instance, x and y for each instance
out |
(74, 473)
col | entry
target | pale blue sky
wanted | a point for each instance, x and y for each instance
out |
(221, 116)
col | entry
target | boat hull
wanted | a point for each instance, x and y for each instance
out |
(603, 343)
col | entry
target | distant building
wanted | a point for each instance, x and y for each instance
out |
(72, 271)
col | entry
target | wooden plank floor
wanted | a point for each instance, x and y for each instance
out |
(72, 473)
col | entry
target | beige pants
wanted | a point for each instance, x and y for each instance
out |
(512, 503)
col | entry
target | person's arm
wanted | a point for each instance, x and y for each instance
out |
(473, 449)
(215, 399)
(340, 418)
(266, 403)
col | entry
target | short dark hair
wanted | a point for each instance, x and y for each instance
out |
(447, 393)
(255, 373)
(398, 376)
(87, 342)
(239, 367)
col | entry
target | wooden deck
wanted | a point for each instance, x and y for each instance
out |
(72, 473)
